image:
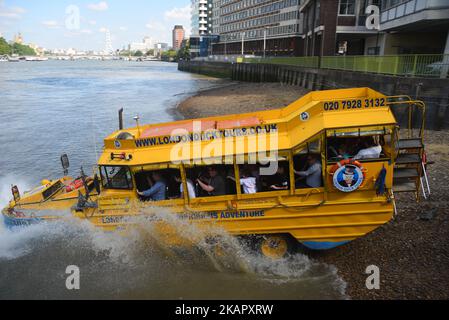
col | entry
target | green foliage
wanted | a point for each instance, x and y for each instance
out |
(150, 52)
(23, 50)
(184, 53)
(170, 55)
(138, 53)
(16, 48)
(4, 47)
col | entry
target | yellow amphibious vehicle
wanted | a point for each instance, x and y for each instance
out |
(322, 171)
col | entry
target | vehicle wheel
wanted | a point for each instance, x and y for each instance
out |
(274, 246)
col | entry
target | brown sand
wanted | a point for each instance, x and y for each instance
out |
(412, 254)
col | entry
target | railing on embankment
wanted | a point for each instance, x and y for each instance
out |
(409, 65)
(432, 90)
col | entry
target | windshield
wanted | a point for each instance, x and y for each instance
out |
(114, 177)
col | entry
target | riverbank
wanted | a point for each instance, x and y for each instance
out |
(412, 253)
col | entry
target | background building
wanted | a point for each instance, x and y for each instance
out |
(146, 44)
(406, 27)
(178, 37)
(252, 21)
(201, 17)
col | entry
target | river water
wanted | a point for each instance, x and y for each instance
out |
(55, 107)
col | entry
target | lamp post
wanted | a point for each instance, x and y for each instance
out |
(265, 42)
(226, 47)
(243, 43)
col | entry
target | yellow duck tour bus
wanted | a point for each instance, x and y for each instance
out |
(322, 171)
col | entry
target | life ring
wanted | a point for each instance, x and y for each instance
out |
(76, 184)
(343, 164)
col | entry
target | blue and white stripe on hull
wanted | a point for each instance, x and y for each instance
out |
(323, 245)
(13, 222)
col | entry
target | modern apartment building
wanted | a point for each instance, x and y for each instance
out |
(405, 27)
(253, 25)
(201, 17)
(178, 37)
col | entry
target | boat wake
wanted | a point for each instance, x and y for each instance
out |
(139, 264)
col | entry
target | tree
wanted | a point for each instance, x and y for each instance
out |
(184, 52)
(169, 55)
(138, 53)
(23, 50)
(4, 47)
(150, 52)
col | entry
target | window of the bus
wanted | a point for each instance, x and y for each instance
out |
(212, 180)
(160, 183)
(116, 177)
(308, 165)
(366, 144)
(268, 175)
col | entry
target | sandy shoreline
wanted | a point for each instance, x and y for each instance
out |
(412, 254)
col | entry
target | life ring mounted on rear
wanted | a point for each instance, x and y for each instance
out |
(348, 175)
(74, 185)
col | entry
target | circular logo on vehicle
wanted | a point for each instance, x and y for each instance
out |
(348, 178)
(117, 144)
(305, 116)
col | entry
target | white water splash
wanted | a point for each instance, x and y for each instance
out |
(142, 254)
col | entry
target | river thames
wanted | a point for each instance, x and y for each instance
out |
(55, 107)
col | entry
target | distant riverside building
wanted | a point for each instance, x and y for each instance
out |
(18, 38)
(406, 27)
(201, 17)
(253, 21)
(178, 37)
(159, 48)
(146, 44)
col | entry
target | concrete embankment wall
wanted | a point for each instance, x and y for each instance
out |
(434, 92)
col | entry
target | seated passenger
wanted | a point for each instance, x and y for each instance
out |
(372, 150)
(312, 176)
(280, 180)
(248, 183)
(215, 186)
(190, 187)
(157, 192)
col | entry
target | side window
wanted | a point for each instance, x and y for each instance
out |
(358, 148)
(261, 177)
(158, 185)
(308, 165)
(115, 177)
(212, 181)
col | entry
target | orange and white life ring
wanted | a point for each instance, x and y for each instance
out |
(348, 175)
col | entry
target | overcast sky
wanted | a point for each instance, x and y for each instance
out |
(81, 24)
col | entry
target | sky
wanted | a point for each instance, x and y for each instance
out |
(82, 24)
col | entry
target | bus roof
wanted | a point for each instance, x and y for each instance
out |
(278, 129)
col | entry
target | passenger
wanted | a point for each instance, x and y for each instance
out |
(248, 183)
(279, 180)
(157, 192)
(372, 150)
(190, 187)
(312, 176)
(216, 184)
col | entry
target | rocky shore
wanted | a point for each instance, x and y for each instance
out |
(412, 251)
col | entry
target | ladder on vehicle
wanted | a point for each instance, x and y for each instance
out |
(410, 174)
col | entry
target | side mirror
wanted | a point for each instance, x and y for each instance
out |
(65, 164)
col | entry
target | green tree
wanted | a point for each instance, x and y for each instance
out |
(23, 50)
(4, 47)
(150, 52)
(138, 53)
(170, 55)
(184, 52)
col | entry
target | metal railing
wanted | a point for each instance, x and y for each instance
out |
(413, 65)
